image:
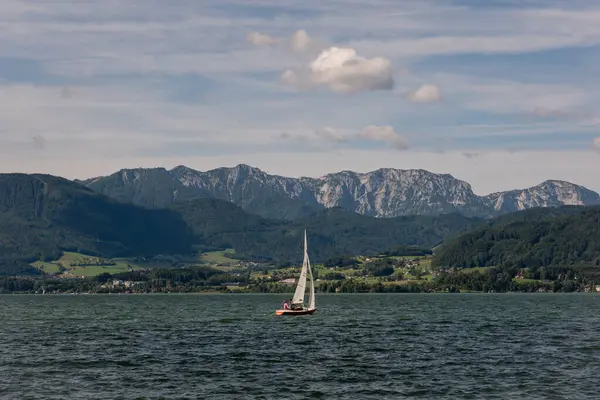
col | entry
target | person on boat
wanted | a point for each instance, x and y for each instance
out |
(286, 305)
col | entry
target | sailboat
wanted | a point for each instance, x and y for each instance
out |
(297, 306)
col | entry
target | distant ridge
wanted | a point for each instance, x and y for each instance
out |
(383, 193)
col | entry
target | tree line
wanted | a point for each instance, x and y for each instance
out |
(551, 239)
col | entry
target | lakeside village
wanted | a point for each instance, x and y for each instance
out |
(221, 272)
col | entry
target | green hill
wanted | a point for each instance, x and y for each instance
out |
(42, 215)
(331, 232)
(564, 236)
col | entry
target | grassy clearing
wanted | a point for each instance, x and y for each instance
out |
(425, 262)
(49, 268)
(224, 268)
(94, 270)
(69, 260)
(426, 277)
(235, 288)
(218, 257)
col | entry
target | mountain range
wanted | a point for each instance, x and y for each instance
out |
(42, 215)
(384, 193)
(180, 212)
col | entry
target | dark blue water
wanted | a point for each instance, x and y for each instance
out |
(388, 346)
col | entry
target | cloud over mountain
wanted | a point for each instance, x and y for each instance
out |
(342, 70)
(386, 134)
(261, 39)
(330, 134)
(299, 42)
(426, 93)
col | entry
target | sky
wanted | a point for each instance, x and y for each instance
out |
(502, 94)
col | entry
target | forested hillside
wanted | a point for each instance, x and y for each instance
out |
(41, 215)
(331, 232)
(539, 237)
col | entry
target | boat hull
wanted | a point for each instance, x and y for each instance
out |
(304, 311)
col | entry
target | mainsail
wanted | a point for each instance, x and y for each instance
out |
(298, 298)
(311, 299)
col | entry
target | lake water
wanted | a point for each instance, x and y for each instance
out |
(370, 346)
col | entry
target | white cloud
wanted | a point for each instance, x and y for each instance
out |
(596, 144)
(343, 71)
(261, 39)
(300, 41)
(426, 93)
(331, 134)
(374, 133)
(386, 134)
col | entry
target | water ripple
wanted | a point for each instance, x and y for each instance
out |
(375, 346)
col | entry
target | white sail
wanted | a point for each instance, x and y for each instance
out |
(301, 287)
(311, 299)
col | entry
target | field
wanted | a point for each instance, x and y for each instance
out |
(47, 267)
(97, 270)
(79, 265)
(75, 264)
(72, 264)
(219, 258)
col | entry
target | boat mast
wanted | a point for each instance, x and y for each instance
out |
(311, 299)
(298, 298)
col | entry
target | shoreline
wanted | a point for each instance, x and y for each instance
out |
(288, 294)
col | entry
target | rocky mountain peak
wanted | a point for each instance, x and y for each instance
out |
(248, 168)
(140, 173)
(550, 193)
(181, 169)
(385, 192)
